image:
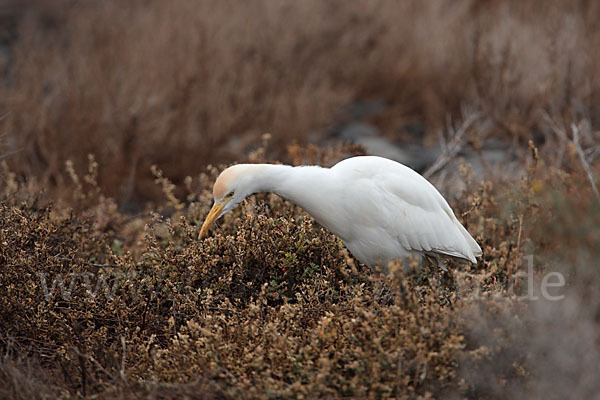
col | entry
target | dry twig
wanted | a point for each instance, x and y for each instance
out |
(584, 163)
(451, 148)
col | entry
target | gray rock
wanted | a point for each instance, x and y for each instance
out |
(420, 157)
(415, 155)
(365, 108)
(380, 146)
(356, 131)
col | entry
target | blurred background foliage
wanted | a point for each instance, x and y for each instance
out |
(183, 84)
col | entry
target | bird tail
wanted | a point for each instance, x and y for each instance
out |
(473, 245)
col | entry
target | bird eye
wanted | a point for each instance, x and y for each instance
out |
(230, 194)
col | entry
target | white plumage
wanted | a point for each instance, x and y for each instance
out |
(381, 209)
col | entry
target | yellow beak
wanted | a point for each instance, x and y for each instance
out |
(214, 213)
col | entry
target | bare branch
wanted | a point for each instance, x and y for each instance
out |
(559, 133)
(584, 163)
(9, 153)
(453, 146)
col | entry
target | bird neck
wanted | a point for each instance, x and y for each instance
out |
(306, 186)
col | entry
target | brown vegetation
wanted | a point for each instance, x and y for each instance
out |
(272, 305)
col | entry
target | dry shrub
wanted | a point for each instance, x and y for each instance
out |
(271, 305)
(24, 379)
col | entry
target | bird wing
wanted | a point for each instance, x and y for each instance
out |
(391, 204)
(421, 219)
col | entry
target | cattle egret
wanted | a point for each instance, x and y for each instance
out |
(381, 210)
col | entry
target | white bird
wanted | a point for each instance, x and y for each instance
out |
(381, 210)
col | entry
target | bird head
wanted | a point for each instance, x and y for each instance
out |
(231, 187)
